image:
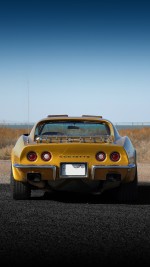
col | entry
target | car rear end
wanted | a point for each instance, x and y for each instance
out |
(95, 161)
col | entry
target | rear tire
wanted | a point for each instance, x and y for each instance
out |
(128, 192)
(19, 189)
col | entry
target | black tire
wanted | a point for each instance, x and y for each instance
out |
(19, 190)
(128, 192)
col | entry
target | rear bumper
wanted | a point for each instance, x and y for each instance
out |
(34, 168)
(98, 172)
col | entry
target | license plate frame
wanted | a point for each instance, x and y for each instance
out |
(73, 170)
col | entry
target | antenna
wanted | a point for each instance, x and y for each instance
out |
(28, 106)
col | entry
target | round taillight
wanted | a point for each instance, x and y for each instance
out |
(100, 156)
(115, 156)
(32, 156)
(46, 156)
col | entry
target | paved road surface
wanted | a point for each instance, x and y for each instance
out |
(74, 230)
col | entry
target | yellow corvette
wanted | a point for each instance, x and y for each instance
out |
(77, 154)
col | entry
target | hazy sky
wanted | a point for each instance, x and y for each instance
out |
(75, 57)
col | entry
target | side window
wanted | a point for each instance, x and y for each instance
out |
(39, 129)
(107, 129)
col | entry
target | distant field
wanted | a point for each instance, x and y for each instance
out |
(8, 137)
(139, 136)
(141, 141)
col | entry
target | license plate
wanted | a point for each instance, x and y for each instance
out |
(73, 169)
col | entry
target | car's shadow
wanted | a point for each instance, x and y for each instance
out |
(105, 197)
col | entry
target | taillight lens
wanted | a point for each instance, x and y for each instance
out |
(115, 156)
(32, 156)
(46, 156)
(100, 156)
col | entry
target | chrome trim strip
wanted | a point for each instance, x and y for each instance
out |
(30, 166)
(94, 167)
(74, 139)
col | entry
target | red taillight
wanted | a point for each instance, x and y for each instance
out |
(114, 156)
(32, 156)
(100, 156)
(46, 156)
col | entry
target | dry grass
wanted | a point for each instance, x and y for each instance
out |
(141, 141)
(8, 138)
(139, 137)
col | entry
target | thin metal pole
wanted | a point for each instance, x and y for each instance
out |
(28, 99)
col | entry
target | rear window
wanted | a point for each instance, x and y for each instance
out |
(72, 128)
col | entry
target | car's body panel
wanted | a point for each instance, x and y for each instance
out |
(74, 151)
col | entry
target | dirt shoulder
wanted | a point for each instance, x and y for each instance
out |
(144, 172)
(5, 166)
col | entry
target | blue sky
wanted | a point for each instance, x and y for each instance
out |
(75, 57)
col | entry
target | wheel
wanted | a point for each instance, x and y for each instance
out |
(19, 189)
(128, 192)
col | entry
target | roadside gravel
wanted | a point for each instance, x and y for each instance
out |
(5, 165)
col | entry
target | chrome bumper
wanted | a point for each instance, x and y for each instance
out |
(29, 166)
(94, 168)
(129, 167)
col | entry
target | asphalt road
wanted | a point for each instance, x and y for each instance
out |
(73, 230)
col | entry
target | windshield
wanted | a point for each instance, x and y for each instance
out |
(72, 128)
